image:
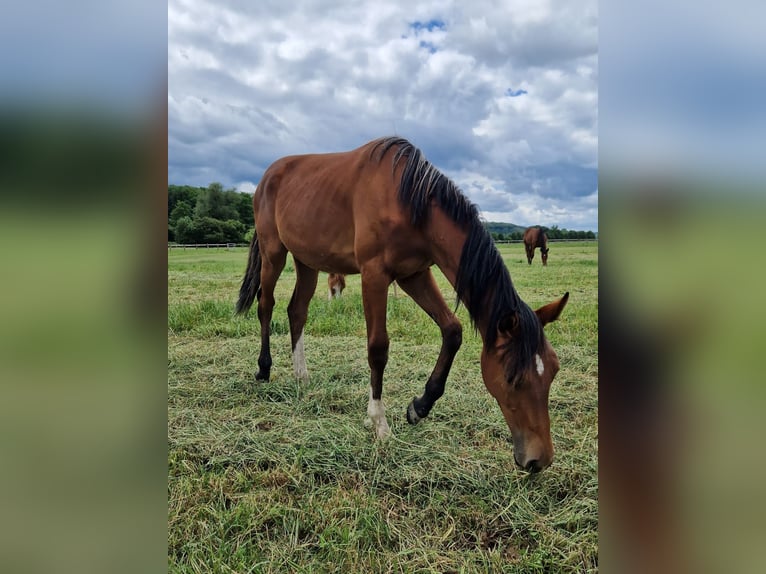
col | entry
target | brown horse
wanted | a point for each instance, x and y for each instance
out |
(536, 237)
(384, 211)
(336, 283)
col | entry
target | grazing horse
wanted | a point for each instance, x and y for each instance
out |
(536, 237)
(336, 283)
(384, 211)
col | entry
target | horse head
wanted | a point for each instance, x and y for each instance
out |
(523, 393)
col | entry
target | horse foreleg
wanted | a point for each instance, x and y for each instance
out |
(424, 291)
(374, 296)
(271, 266)
(297, 312)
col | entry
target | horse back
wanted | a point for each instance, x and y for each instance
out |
(332, 211)
(531, 236)
(535, 237)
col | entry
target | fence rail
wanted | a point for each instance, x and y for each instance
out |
(233, 245)
(549, 240)
(205, 245)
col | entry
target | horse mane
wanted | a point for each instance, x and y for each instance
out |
(483, 282)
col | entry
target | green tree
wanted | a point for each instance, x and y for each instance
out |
(185, 231)
(233, 231)
(178, 193)
(182, 209)
(209, 230)
(244, 206)
(212, 203)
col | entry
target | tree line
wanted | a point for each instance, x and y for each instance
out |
(213, 214)
(552, 232)
(209, 214)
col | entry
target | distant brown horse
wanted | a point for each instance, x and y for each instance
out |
(336, 283)
(384, 211)
(536, 237)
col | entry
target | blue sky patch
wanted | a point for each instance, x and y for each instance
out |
(428, 46)
(511, 93)
(430, 25)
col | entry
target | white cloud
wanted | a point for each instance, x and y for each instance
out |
(251, 82)
(245, 187)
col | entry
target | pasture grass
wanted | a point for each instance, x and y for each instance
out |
(284, 477)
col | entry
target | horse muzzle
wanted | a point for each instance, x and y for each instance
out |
(532, 460)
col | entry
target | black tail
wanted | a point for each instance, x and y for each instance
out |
(251, 284)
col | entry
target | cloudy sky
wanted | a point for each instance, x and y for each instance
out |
(501, 96)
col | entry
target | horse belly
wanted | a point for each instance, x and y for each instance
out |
(315, 226)
(323, 255)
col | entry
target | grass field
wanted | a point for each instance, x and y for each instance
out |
(284, 477)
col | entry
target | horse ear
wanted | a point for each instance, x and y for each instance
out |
(508, 323)
(550, 312)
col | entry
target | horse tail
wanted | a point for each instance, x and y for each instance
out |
(251, 283)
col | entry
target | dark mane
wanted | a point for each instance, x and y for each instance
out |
(483, 282)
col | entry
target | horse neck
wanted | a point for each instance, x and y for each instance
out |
(447, 240)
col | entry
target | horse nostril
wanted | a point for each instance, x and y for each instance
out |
(533, 466)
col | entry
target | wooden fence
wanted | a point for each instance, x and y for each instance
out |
(233, 245)
(205, 245)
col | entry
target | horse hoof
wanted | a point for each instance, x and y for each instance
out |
(383, 431)
(261, 376)
(412, 416)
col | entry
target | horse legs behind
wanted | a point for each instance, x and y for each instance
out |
(374, 297)
(336, 282)
(424, 291)
(530, 253)
(297, 312)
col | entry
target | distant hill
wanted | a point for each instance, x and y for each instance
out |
(504, 228)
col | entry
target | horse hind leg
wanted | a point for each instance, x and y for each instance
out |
(272, 263)
(424, 291)
(330, 287)
(297, 312)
